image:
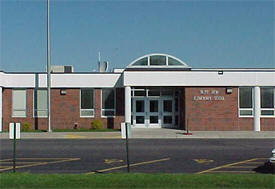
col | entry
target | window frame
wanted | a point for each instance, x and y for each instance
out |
(12, 103)
(36, 109)
(252, 99)
(103, 109)
(268, 116)
(93, 109)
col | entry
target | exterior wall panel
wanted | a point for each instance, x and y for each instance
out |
(65, 110)
(218, 115)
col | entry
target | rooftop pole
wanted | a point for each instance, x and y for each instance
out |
(48, 67)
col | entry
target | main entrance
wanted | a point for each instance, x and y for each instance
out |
(154, 109)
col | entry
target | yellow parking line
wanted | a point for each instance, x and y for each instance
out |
(42, 163)
(5, 160)
(20, 162)
(74, 136)
(41, 158)
(242, 167)
(3, 166)
(226, 166)
(131, 165)
(232, 172)
(256, 162)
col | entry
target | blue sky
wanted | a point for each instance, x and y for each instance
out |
(204, 34)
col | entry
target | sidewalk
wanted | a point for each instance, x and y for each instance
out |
(173, 133)
(65, 135)
(147, 134)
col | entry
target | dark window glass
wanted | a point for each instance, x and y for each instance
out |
(167, 105)
(141, 62)
(87, 98)
(245, 97)
(108, 99)
(154, 106)
(157, 60)
(139, 119)
(167, 119)
(176, 120)
(267, 98)
(153, 93)
(140, 93)
(173, 62)
(246, 112)
(140, 106)
(154, 119)
(267, 112)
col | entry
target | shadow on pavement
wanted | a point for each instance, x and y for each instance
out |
(267, 168)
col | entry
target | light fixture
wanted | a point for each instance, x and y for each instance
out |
(63, 91)
(229, 90)
(220, 72)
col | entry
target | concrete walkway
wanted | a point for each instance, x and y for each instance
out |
(173, 133)
(148, 133)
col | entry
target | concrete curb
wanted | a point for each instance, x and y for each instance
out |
(149, 134)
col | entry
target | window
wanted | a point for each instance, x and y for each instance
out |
(157, 60)
(173, 62)
(267, 101)
(141, 62)
(19, 103)
(40, 103)
(245, 101)
(108, 102)
(86, 103)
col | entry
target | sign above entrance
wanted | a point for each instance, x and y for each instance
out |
(208, 95)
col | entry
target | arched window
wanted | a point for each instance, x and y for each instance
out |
(157, 61)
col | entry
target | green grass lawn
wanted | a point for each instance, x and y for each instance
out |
(148, 181)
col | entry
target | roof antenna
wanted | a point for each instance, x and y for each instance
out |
(98, 63)
(99, 56)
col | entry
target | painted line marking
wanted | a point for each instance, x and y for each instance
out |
(131, 165)
(20, 162)
(3, 166)
(232, 172)
(228, 165)
(255, 163)
(204, 161)
(34, 159)
(241, 167)
(74, 136)
(109, 161)
(41, 163)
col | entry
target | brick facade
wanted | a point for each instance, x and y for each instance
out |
(65, 110)
(198, 114)
(217, 114)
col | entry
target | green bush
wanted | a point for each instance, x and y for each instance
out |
(96, 124)
(25, 126)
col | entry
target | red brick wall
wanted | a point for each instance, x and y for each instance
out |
(40, 123)
(220, 115)
(65, 110)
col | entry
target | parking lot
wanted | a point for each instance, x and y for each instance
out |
(202, 156)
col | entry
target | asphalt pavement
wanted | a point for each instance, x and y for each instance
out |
(98, 156)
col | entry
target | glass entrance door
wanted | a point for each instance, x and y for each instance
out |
(153, 113)
(139, 114)
(167, 106)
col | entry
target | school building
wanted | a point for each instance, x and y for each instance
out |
(153, 91)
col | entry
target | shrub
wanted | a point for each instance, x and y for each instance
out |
(25, 126)
(96, 124)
